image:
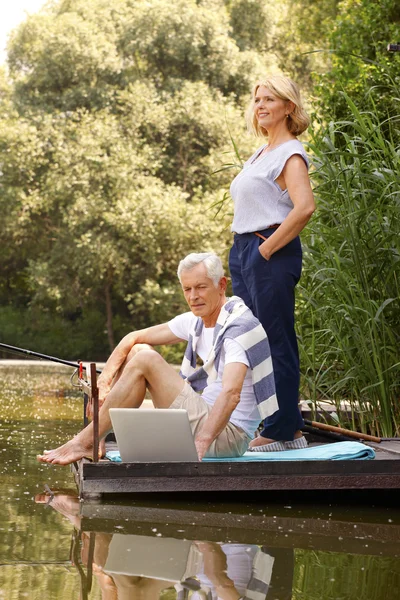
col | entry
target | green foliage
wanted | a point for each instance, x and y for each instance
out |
(46, 332)
(190, 42)
(252, 24)
(349, 312)
(78, 54)
(334, 575)
(360, 62)
(301, 38)
(66, 58)
(180, 132)
(110, 129)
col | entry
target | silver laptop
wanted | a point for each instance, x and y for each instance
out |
(153, 435)
(145, 556)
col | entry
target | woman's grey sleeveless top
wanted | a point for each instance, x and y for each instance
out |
(259, 202)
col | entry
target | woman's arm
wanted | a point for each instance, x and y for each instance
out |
(295, 179)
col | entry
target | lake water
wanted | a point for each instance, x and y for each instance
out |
(174, 548)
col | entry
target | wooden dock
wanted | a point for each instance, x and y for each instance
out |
(104, 477)
(98, 478)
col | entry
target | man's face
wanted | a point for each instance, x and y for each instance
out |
(204, 299)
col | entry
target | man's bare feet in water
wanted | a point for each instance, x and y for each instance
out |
(68, 453)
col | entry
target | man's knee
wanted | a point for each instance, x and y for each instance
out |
(145, 359)
(137, 348)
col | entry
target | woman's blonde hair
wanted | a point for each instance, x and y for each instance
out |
(286, 89)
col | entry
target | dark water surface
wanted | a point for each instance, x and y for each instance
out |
(182, 547)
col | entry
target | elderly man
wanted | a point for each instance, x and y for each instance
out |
(236, 379)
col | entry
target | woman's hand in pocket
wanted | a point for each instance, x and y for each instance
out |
(264, 251)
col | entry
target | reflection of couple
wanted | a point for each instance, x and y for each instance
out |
(213, 571)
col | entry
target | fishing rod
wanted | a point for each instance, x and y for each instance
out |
(44, 356)
(331, 430)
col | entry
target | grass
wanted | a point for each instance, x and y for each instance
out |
(349, 295)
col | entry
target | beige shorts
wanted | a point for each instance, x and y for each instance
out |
(232, 441)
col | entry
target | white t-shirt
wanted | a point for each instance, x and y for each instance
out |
(246, 414)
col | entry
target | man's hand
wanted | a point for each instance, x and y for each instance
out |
(104, 389)
(225, 404)
(202, 446)
(153, 336)
(215, 568)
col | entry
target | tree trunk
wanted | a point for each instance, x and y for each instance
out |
(110, 330)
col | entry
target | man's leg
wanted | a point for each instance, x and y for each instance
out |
(145, 370)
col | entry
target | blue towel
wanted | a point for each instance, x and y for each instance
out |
(336, 451)
(113, 455)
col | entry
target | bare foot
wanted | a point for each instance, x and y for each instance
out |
(66, 454)
(260, 441)
(66, 504)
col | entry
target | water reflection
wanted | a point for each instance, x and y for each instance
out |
(130, 566)
(169, 557)
(267, 548)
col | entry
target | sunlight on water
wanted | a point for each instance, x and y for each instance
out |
(150, 548)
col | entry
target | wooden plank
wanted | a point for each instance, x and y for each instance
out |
(391, 447)
(106, 477)
(108, 470)
(219, 484)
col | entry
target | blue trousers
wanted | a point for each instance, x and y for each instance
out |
(267, 287)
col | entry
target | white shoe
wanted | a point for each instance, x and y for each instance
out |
(271, 447)
(296, 444)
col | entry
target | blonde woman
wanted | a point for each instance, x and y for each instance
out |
(273, 202)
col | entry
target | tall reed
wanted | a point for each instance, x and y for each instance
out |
(349, 295)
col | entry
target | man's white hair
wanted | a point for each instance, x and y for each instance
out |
(211, 261)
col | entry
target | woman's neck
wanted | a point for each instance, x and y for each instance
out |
(279, 136)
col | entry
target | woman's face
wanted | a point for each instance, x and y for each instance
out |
(270, 110)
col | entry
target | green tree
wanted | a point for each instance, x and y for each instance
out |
(63, 58)
(252, 24)
(79, 53)
(300, 38)
(110, 130)
(189, 41)
(360, 63)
